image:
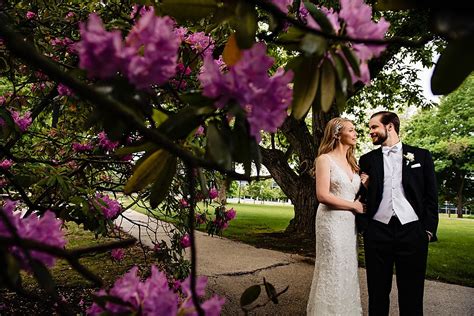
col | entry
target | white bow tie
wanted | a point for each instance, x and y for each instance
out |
(387, 150)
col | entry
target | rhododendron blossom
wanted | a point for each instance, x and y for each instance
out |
(99, 51)
(213, 193)
(264, 98)
(201, 43)
(117, 254)
(151, 51)
(64, 90)
(78, 147)
(105, 143)
(45, 229)
(154, 296)
(185, 241)
(110, 208)
(23, 122)
(6, 164)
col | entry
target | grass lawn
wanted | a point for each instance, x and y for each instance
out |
(451, 259)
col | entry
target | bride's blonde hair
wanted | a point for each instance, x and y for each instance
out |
(331, 139)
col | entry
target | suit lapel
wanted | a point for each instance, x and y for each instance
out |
(405, 168)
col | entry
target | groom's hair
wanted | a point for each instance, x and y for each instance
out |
(387, 117)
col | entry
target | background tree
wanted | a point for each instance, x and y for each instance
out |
(446, 130)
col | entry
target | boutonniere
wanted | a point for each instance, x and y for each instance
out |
(410, 157)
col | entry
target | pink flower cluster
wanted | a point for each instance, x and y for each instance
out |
(6, 164)
(185, 241)
(117, 254)
(357, 19)
(23, 122)
(148, 56)
(110, 208)
(105, 143)
(64, 90)
(154, 297)
(30, 15)
(264, 98)
(200, 43)
(45, 229)
(213, 193)
(223, 222)
(78, 147)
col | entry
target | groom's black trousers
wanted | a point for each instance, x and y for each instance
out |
(406, 248)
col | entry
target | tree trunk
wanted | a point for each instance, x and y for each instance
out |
(459, 197)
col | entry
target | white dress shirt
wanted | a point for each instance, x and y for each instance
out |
(394, 201)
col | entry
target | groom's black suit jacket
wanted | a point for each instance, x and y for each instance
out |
(419, 184)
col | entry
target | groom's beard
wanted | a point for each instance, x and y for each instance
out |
(380, 138)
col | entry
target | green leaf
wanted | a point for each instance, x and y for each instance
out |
(179, 125)
(305, 84)
(328, 85)
(343, 74)
(218, 147)
(246, 24)
(250, 295)
(453, 66)
(163, 182)
(271, 292)
(293, 34)
(352, 59)
(148, 171)
(184, 10)
(148, 146)
(313, 44)
(159, 117)
(319, 17)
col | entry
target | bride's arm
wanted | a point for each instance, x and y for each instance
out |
(322, 189)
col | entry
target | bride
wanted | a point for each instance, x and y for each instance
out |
(335, 286)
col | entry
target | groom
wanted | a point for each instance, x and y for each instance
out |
(401, 218)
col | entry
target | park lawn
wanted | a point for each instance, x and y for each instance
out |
(450, 259)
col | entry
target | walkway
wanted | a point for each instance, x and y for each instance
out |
(233, 266)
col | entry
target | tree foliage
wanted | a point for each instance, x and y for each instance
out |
(446, 130)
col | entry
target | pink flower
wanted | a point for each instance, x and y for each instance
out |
(23, 122)
(200, 218)
(181, 32)
(6, 164)
(213, 193)
(106, 143)
(201, 283)
(201, 43)
(69, 16)
(110, 208)
(151, 297)
(2, 100)
(30, 15)
(185, 241)
(117, 254)
(3, 182)
(213, 306)
(264, 98)
(359, 24)
(199, 131)
(99, 51)
(45, 229)
(151, 52)
(64, 90)
(78, 147)
(183, 203)
(230, 214)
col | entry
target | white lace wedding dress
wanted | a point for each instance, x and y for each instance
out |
(335, 287)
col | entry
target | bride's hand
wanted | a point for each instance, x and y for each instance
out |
(364, 179)
(358, 207)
